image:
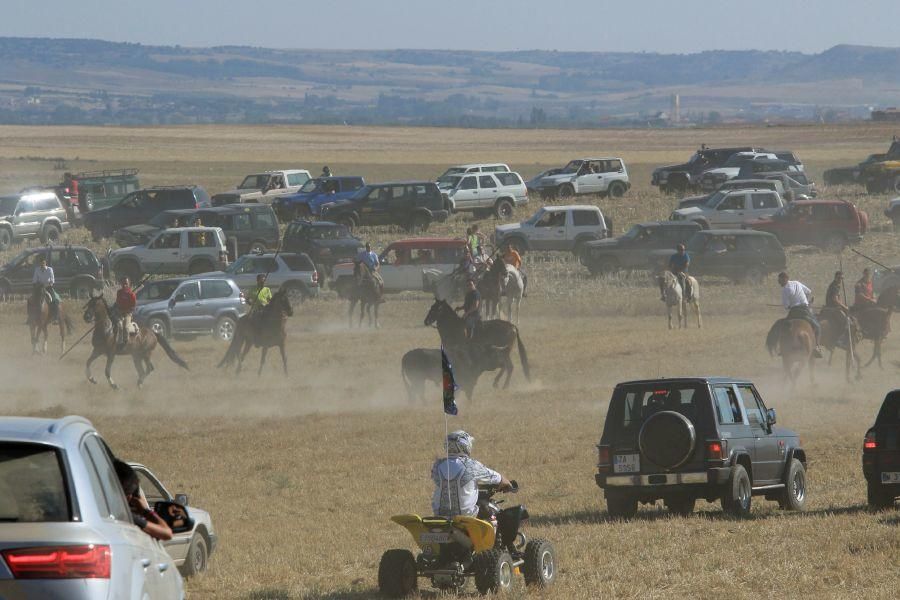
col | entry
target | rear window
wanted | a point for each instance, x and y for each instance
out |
(214, 288)
(890, 410)
(32, 484)
(585, 218)
(298, 262)
(508, 178)
(201, 197)
(633, 405)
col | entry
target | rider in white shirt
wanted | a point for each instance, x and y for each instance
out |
(44, 277)
(796, 298)
(456, 478)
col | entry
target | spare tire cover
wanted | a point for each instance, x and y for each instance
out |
(667, 439)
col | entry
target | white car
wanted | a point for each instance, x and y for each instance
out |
(178, 250)
(603, 176)
(729, 209)
(486, 193)
(264, 187)
(472, 168)
(565, 228)
(189, 549)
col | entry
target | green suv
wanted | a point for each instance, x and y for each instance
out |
(100, 189)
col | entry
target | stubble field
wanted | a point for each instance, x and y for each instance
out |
(301, 474)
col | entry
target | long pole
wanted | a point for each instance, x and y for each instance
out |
(869, 258)
(77, 342)
(844, 291)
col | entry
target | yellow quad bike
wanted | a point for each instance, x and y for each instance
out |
(491, 549)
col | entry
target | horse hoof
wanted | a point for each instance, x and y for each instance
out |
(92, 380)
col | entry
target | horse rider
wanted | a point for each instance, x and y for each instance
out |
(125, 303)
(796, 299)
(864, 294)
(261, 295)
(678, 266)
(43, 280)
(457, 477)
(369, 259)
(834, 295)
(473, 241)
(471, 308)
(512, 257)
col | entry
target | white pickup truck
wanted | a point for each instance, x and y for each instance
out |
(264, 187)
(729, 209)
(485, 193)
(603, 176)
(566, 228)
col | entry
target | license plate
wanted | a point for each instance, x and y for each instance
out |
(627, 463)
(890, 477)
(434, 538)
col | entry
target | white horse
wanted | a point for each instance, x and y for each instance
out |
(513, 287)
(673, 296)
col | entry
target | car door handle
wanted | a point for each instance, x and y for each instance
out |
(163, 567)
(145, 562)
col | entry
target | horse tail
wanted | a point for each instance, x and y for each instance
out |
(233, 349)
(523, 356)
(774, 335)
(170, 352)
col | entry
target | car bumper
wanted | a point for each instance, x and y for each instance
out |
(70, 589)
(714, 476)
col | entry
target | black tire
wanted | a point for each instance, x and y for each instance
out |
(397, 574)
(793, 497)
(682, 507)
(200, 266)
(616, 189)
(876, 496)
(225, 328)
(158, 326)
(295, 292)
(703, 223)
(86, 203)
(621, 505)
(539, 567)
(6, 238)
(737, 498)
(127, 268)
(257, 247)
(503, 209)
(566, 190)
(493, 571)
(667, 439)
(50, 234)
(197, 557)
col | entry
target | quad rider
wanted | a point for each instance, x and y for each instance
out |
(678, 266)
(864, 296)
(125, 303)
(796, 299)
(471, 308)
(260, 296)
(512, 257)
(43, 280)
(457, 477)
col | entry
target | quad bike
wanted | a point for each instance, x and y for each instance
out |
(489, 548)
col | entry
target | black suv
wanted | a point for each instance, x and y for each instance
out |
(76, 269)
(707, 437)
(325, 242)
(881, 454)
(253, 227)
(684, 177)
(413, 205)
(742, 255)
(141, 206)
(632, 250)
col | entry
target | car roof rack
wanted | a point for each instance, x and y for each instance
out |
(106, 173)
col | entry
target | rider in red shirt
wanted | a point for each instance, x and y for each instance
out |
(125, 303)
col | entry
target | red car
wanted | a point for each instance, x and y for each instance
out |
(829, 224)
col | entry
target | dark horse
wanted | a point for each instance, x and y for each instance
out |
(490, 286)
(489, 349)
(105, 341)
(421, 365)
(367, 292)
(875, 321)
(841, 331)
(39, 319)
(263, 329)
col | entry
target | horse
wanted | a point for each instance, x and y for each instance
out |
(488, 350)
(513, 287)
(490, 287)
(39, 319)
(105, 342)
(840, 331)
(875, 321)
(367, 292)
(263, 329)
(670, 287)
(421, 365)
(795, 339)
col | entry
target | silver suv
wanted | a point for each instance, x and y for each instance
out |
(179, 250)
(30, 215)
(485, 193)
(293, 272)
(65, 528)
(191, 306)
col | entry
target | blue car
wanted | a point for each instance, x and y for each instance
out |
(308, 200)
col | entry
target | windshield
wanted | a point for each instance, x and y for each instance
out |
(572, 167)
(254, 182)
(715, 199)
(21, 256)
(448, 181)
(633, 233)
(236, 266)
(535, 217)
(8, 205)
(452, 171)
(156, 290)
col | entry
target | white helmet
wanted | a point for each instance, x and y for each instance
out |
(459, 443)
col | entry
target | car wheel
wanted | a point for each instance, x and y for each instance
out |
(566, 190)
(81, 290)
(794, 495)
(835, 242)
(50, 234)
(197, 557)
(200, 266)
(539, 567)
(621, 505)
(397, 574)
(876, 496)
(703, 223)
(86, 203)
(295, 292)
(257, 248)
(493, 571)
(225, 327)
(738, 497)
(503, 209)
(158, 326)
(616, 189)
(6, 238)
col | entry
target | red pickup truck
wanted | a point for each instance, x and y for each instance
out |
(829, 224)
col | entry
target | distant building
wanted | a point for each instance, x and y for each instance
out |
(891, 113)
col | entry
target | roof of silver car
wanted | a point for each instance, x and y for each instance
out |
(38, 429)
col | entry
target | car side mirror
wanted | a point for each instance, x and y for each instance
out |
(770, 417)
(175, 515)
(181, 499)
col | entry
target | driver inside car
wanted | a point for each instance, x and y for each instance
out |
(457, 477)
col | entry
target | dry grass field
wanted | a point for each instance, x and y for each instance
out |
(301, 474)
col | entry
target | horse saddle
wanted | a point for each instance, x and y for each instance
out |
(133, 329)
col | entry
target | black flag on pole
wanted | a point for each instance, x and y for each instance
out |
(449, 384)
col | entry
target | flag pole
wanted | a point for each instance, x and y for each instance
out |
(447, 445)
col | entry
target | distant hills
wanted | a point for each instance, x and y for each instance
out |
(92, 81)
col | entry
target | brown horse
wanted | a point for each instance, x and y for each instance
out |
(105, 342)
(491, 347)
(264, 329)
(795, 339)
(841, 331)
(490, 286)
(367, 292)
(39, 319)
(875, 321)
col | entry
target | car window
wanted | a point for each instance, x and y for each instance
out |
(468, 183)
(264, 264)
(112, 489)
(486, 182)
(495, 169)
(761, 201)
(166, 240)
(32, 484)
(156, 290)
(86, 258)
(49, 203)
(241, 222)
(728, 409)
(631, 406)
(735, 202)
(298, 262)
(552, 218)
(26, 205)
(202, 239)
(508, 178)
(755, 243)
(585, 218)
(214, 288)
(756, 412)
(151, 490)
(190, 291)
(448, 255)
(265, 219)
(296, 179)
(615, 165)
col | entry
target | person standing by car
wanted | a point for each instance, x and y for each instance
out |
(678, 266)
(796, 299)
(143, 516)
(43, 280)
(261, 296)
(471, 308)
(512, 257)
(126, 300)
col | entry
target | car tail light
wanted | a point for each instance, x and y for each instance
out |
(716, 450)
(315, 277)
(603, 458)
(243, 298)
(90, 561)
(871, 442)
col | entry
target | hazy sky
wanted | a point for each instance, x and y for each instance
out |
(591, 25)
